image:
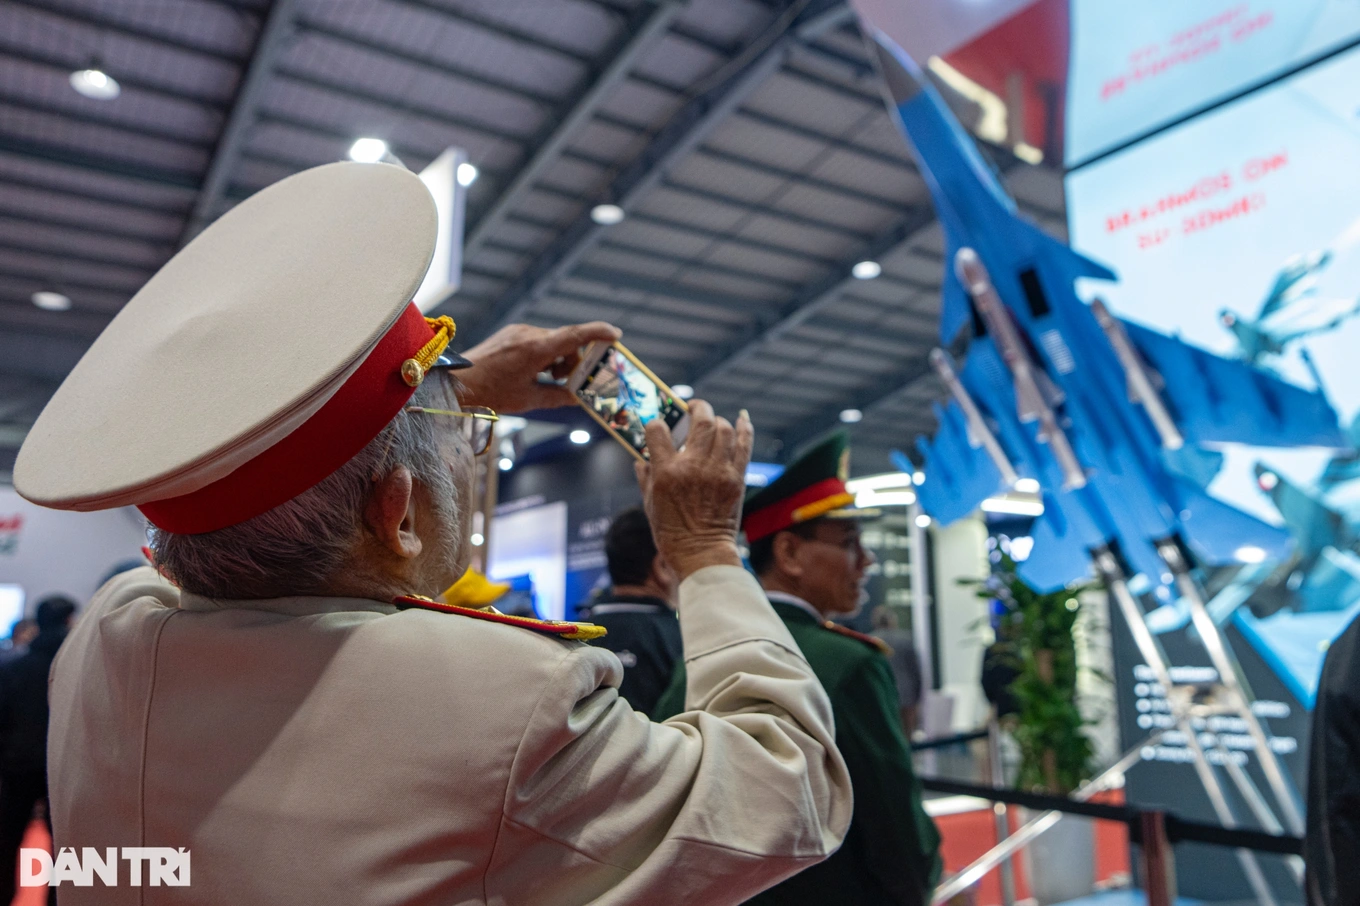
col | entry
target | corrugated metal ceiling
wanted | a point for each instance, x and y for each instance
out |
(746, 139)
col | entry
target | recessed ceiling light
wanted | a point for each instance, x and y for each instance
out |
(866, 270)
(580, 436)
(477, 539)
(850, 416)
(918, 477)
(506, 464)
(95, 83)
(923, 521)
(607, 214)
(368, 150)
(467, 174)
(684, 391)
(50, 301)
(1027, 485)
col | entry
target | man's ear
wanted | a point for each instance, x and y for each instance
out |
(786, 547)
(390, 513)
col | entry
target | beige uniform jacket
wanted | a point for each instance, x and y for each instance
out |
(338, 751)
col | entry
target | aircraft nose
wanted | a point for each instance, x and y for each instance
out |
(901, 76)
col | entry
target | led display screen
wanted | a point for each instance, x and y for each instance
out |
(1137, 66)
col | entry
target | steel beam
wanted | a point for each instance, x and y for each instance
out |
(442, 117)
(685, 131)
(424, 62)
(640, 35)
(667, 288)
(107, 232)
(274, 34)
(18, 181)
(767, 169)
(136, 130)
(63, 64)
(165, 42)
(828, 417)
(63, 255)
(176, 179)
(765, 210)
(534, 40)
(808, 303)
(757, 245)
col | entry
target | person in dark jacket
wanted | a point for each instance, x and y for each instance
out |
(1331, 848)
(639, 611)
(23, 735)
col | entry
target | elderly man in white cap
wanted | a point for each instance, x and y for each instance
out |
(287, 702)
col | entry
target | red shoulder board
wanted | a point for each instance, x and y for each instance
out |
(560, 628)
(872, 641)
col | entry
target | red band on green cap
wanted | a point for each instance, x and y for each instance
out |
(779, 516)
(369, 399)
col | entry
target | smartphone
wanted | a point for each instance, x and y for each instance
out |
(624, 396)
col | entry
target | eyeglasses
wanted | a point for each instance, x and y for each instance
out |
(476, 425)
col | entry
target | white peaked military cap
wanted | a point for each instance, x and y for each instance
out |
(257, 361)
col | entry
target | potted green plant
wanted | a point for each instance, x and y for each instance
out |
(1036, 637)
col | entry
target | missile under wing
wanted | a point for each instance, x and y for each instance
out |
(1109, 417)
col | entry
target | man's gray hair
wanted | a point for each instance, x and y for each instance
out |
(298, 546)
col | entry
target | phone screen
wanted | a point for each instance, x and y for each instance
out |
(626, 399)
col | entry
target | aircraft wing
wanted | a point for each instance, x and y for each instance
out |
(961, 476)
(1218, 400)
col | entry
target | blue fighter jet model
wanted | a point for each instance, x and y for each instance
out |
(1292, 311)
(1114, 421)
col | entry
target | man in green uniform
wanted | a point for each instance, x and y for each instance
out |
(805, 549)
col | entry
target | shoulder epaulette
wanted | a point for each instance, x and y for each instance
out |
(872, 641)
(563, 629)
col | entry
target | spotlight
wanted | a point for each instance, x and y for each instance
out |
(368, 150)
(923, 521)
(95, 83)
(850, 416)
(866, 270)
(579, 436)
(607, 214)
(684, 391)
(505, 464)
(1249, 553)
(467, 174)
(918, 477)
(477, 539)
(1027, 486)
(50, 301)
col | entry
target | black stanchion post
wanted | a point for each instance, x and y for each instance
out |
(1159, 863)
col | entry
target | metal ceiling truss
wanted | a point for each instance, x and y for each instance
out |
(804, 179)
(23, 182)
(808, 303)
(638, 35)
(137, 130)
(65, 64)
(180, 44)
(274, 34)
(109, 166)
(685, 131)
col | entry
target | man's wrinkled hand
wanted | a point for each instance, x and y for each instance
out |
(506, 365)
(693, 496)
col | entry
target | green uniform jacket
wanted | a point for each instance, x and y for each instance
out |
(891, 854)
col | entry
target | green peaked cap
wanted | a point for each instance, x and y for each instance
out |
(812, 486)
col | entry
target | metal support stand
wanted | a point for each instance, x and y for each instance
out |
(999, 809)
(1159, 862)
(1110, 569)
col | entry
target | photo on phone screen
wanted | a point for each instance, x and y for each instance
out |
(624, 397)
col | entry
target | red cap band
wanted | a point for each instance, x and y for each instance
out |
(779, 516)
(369, 399)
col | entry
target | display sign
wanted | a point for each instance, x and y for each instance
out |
(1246, 240)
(1137, 66)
